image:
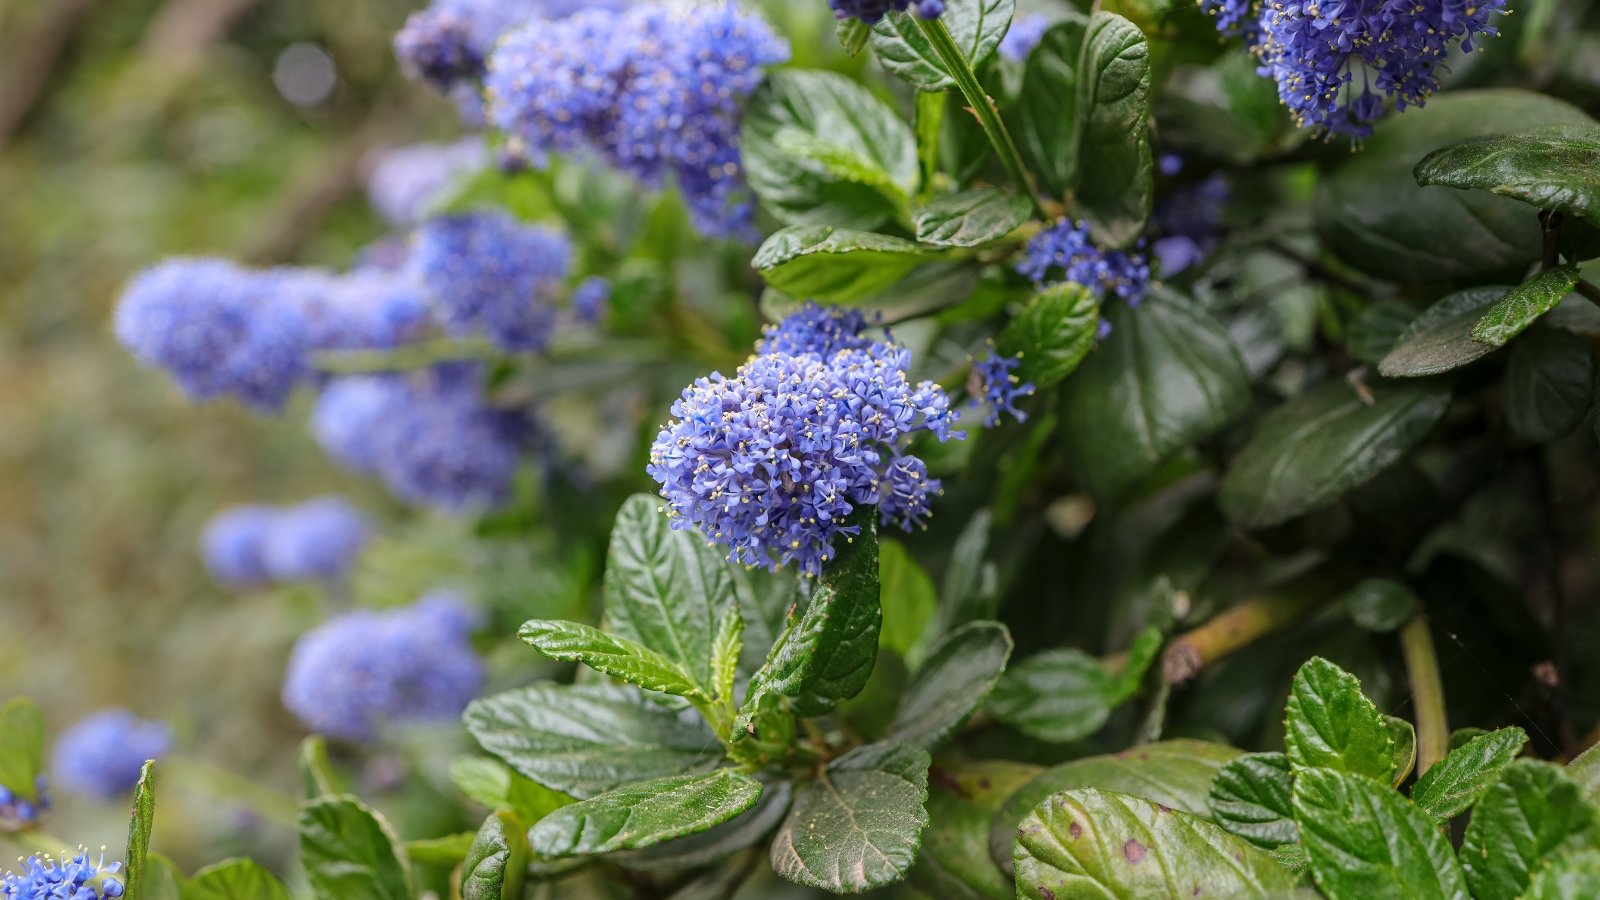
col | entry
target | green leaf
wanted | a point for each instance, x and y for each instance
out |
(1441, 338)
(1523, 304)
(845, 656)
(1585, 770)
(1457, 781)
(1365, 841)
(532, 801)
(976, 26)
(954, 863)
(163, 880)
(766, 600)
(139, 824)
(21, 748)
(317, 776)
(1573, 875)
(1404, 736)
(1377, 329)
(1370, 211)
(495, 863)
(449, 850)
(1166, 376)
(1329, 723)
(971, 218)
(1142, 654)
(235, 879)
(1057, 695)
(1252, 797)
(609, 654)
(1045, 111)
(1115, 166)
(665, 588)
(1533, 812)
(958, 674)
(587, 739)
(967, 591)
(859, 824)
(908, 598)
(1549, 384)
(840, 163)
(707, 847)
(725, 650)
(1094, 843)
(837, 112)
(1380, 604)
(349, 851)
(853, 34)
(643, 813)
(1052, 334)
(1312, 450)
(483, 780)
(1550, 168)
(836, 264)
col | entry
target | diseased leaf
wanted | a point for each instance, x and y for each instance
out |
(1441, 338)
(1365, 841)
(1556, 167)
(1252, 797)
(975, 25)
(1523, 304)
(835, 264)
(1329, 723)
(1549, 384)
(1116, 168)
(235, 879)
(1046, 109)
(139, 824)
(496, 862)
(608, 654)
(1057, 695)
(1457, 781)
(21, 748)
(1531, 814)
(971, 218)
(741, 832)
(1095, 843)
(587, 739)
(958, 674)
(1052, 334)
(859, 824)
(643, 813)
(954, 863)
(348, 851)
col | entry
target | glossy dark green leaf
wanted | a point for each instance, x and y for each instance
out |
(1573, 875)
(707, 847)
(1556, 167)
(952, 682)
(496, 862)
(1523, 304)
(1045, 113)
(1380, 604)
(836, 112)
(1225, 111)
(1329, 723)
(909, 601)
(1456, 782)
(586, 739)
(235, 879)
(1370, 211)
(1115, 169)
(1167, 376)
(1314, 449)
(1532, 813)
(1053, 333)
(665, 588)
(954, 863)
(1549, 384)
(348, 851)
(976, 26)
(643, 813)
(1252, 797)
(836, 264)
(967, 591)
(317, 777)
(140, 821)
(857, 825)
(1364, 840)
(1441, 338)
(853, 620)
(971, 218)
(1057, 695)
(21, 748)
(1096, 843)
(1376, 331)
(608, 654)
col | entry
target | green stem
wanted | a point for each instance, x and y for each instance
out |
(220, 784)
(1427, 692)
(1234, 630)
(955, 63)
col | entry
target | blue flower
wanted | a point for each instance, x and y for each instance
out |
(101, 755)
(317, 540)
(870, 11)
(361, 671)
(769, 463)
(234, 543)
(18, 812)
(1025, 34)
(406, 181)
(489, 273)
(351, 414)
(1189, 223)
(590, 298)
(993, 387)
(75, 878)
(815, 330)
(1235, 17)
(1065, 253)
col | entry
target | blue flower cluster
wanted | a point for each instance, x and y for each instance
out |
(429, 435)
(651, 90)
(317, 540)
(405, 181)
(101, 755)
(490, 274)
(815, 330)
(870, 11)
(364, 670)
(77, 878)
(993, 386)
(1189, 223)
(17, 811)
(1025, 34)
(770, 462)
(446, 44)
(1064, 252)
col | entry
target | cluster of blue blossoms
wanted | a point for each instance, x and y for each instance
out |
(493, 275)
(650, 90)
(76, 878)
(447, 43)
(364, 670)
(316, 540)
(101, 755)
(1064, 252)
(769, 463)
(993, 387)
(1335, 61)
(17, 811)
(870, 11)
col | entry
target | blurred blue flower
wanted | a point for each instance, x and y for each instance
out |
(350, 415)
(1064, 252)
(1025, 34)
(995, 388)
(1188, 223)
(361, 671)
(74, 878)
(17, 812)
(589, 299)
(101, 755)
(406, 181)
(815, 330)
(234, 544)
(870, 11)
(317, 540)
(489, 273)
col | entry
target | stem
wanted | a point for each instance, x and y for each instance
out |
(1234, 630)
(220, 784)
(955, 64)
(1589, 290)
(1427, 692)
(1550, 225)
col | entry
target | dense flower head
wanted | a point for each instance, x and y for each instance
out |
(317, 540)
(364, 310)
(17, 811)
(1188, 223)
(770, 462)
(436, 47)
(234, 545)
(101, 755)
(75, 878)
(1025, 34)
(489, 273)
(1236, 17)
(406, 181)
(651, 90)
(590, 298)
(994, 387)
(363, 670)
(870, 11)
(1064, 252)
(816, 330)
